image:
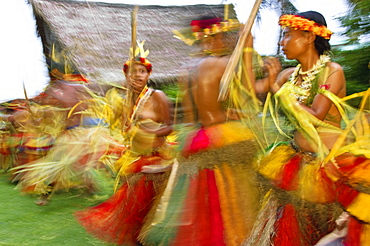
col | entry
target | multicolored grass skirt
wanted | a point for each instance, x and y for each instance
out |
(120, 218)
(71, 161)
(299, 204)
(211, 197)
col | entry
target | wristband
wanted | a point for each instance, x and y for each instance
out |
(248, 49)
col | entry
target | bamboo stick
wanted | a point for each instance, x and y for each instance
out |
(227, 76)
(133, 30)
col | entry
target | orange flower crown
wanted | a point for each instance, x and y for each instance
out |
(139, 58)
(301, 23)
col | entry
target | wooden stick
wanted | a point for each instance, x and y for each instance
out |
(133, 30)
(226, 12)
(227, 76)
(28, 104)
(132, 58)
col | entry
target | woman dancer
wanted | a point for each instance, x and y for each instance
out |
(143, 168)
(299, 204)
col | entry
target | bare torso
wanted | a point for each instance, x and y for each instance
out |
(153, 122)
(201, 86)
(328, 138)
(329, 113)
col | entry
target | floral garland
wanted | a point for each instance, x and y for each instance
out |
(301, 23)
(308, 79)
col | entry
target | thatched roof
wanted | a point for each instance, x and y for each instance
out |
(96, 36)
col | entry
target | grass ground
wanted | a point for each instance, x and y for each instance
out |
(22, 223)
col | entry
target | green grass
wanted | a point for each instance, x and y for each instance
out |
(24, 223)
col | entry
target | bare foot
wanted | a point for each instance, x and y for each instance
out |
(156, 168)
(42, 201)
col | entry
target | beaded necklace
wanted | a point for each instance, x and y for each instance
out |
(308, 77)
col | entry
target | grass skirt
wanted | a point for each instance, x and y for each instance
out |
(20, 148)
(354, 196)
(299, 206)
(211, 196)
(119, 219)
(70, 163)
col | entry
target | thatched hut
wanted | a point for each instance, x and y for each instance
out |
(96, 36)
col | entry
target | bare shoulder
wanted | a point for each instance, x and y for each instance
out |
(159, 95)
(334, 67)
(336, 79)
(212, 64)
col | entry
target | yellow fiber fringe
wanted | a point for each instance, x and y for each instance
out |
(313, 186)
(365, 235)
(271, 165)
(359, 207)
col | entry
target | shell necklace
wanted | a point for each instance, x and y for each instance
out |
(307, 77)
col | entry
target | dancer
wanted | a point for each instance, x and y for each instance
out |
(77, 151)
(29, 129)
(299, 203)
(210, 198)
(144, 167)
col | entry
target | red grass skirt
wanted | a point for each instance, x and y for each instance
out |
(120, 218)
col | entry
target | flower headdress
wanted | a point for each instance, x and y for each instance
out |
(204, 28)
(301, 23)
(139, 57)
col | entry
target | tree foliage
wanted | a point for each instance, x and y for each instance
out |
(355, 63)
(357, 20)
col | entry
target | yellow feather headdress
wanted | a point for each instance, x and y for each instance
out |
(138, 57)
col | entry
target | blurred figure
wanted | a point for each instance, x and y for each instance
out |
(29, 128)
(144, 167)
(78, 149)
(211, 197)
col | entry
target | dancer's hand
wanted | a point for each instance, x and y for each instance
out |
(273, 68)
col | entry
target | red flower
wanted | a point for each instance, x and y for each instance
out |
(125, 67)
(325, 87)
(149, 67)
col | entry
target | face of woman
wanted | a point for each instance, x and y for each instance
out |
(213, 43)
(294, 43)
(137, 77)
